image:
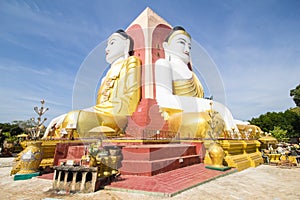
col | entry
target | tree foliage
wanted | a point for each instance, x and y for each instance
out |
(279, 134)
(288, 120)
(295, 93)
(13, 128)
(18, 127)
(9, 131)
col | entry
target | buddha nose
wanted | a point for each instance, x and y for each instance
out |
(186, 49)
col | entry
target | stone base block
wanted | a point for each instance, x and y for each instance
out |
(25, 176)
(223, 168)
(149, 160)
(240, 162)
(255, 159)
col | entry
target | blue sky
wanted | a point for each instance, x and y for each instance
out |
(255, 45)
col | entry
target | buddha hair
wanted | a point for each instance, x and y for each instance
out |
(176, 28)
(126, 36)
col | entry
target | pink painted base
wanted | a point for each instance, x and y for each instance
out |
(149, 160)
(142, 159)
(200, 148)
(68, 151)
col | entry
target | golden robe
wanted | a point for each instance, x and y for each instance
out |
(188, 87)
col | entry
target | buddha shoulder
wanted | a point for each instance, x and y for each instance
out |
(133, 62)
(162, 62)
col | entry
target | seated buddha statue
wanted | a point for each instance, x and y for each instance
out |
(119, 92)
(180, 94)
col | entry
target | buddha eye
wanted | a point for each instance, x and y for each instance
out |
(112, 42)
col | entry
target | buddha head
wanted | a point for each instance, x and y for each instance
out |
(119, 46)
(178, 44)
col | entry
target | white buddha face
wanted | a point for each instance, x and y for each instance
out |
(117, 47)
(179, 46)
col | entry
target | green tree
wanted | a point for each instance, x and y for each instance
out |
(13, 128)
(288, 120)
(279, 134)
(18, 127)
(295, 93)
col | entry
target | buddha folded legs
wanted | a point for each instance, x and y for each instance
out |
(84, 121)
(194, 124)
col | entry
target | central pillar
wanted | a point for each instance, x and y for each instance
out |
(148, 31)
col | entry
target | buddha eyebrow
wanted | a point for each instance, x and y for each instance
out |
(111, 40)
(182, 39)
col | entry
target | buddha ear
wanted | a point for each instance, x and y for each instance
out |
(165, 45)
(126, 49)
(166, 49)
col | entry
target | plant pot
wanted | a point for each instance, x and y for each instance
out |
(216, 154)
(31, 158)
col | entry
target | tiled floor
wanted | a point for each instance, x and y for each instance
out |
(47, 176)
(169, 183)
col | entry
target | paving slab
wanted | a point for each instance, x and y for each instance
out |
(263, 182)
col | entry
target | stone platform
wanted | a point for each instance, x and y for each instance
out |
(149, 160)
(141, 157)
(166, 184)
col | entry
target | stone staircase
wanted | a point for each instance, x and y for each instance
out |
(150, 160)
